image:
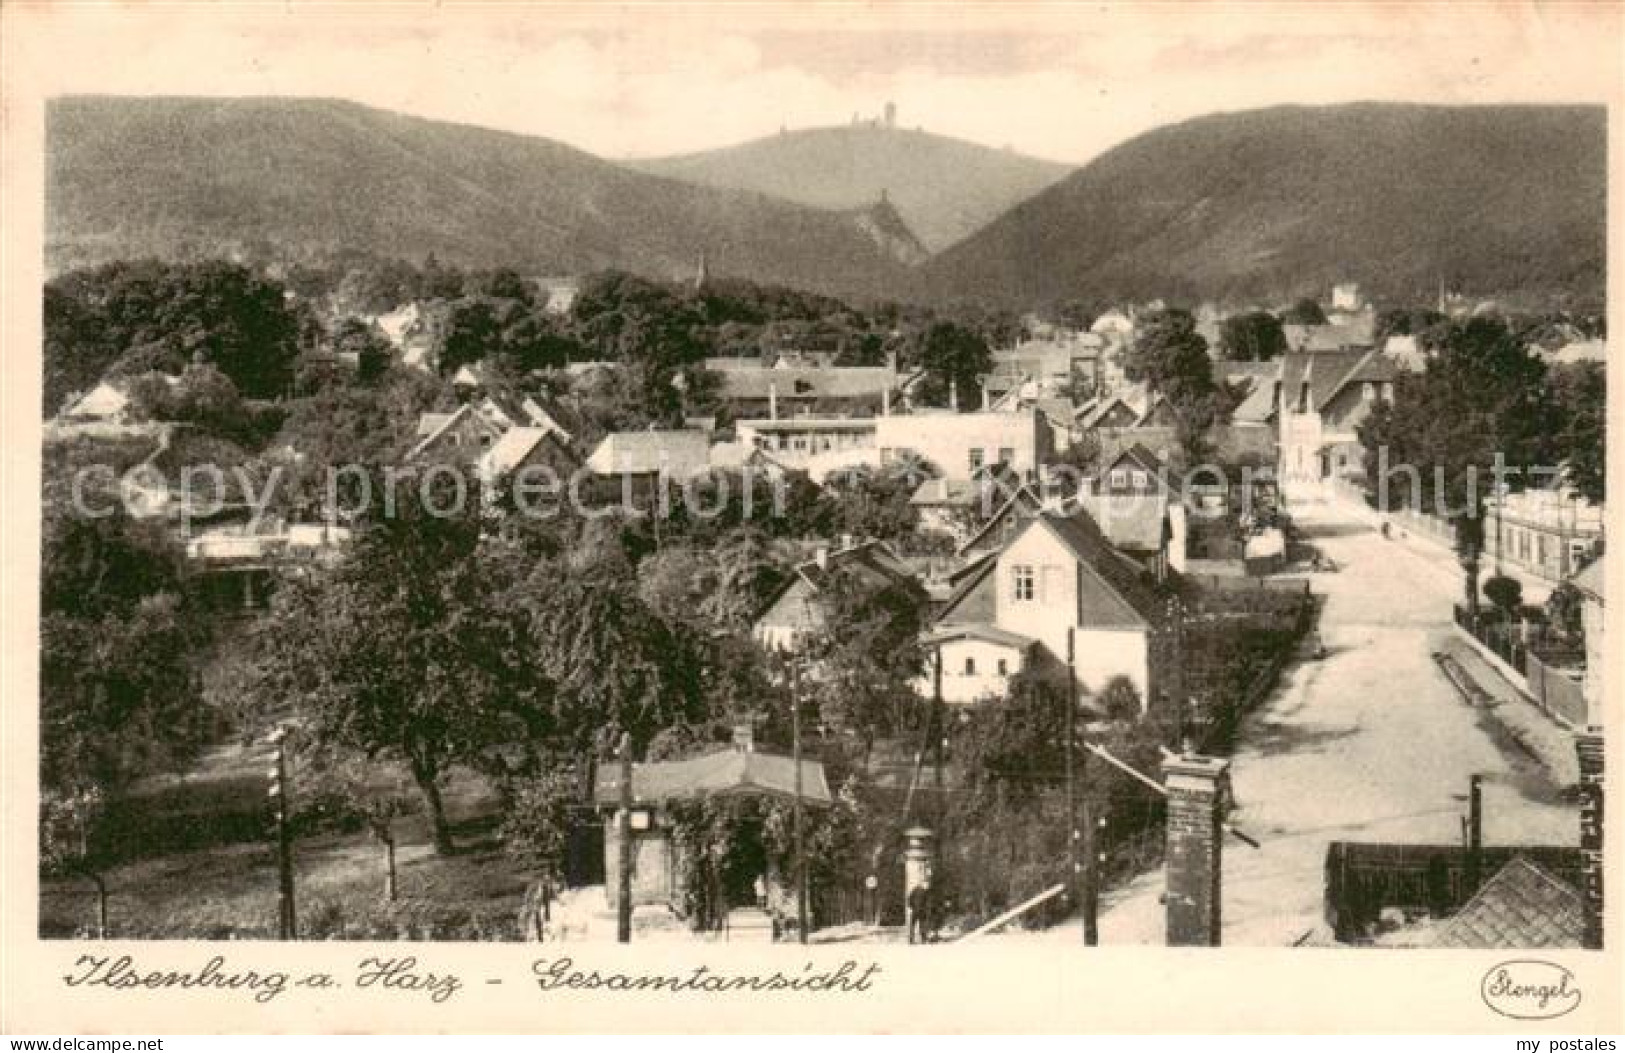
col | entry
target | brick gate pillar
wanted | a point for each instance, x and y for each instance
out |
(1198, 788)
(1588, 744)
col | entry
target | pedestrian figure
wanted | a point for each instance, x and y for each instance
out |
(919, 905)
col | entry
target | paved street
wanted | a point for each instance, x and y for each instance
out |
(1372, 743)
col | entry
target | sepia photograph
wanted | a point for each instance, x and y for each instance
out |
(828, 483)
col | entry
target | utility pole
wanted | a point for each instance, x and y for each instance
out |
(1068, 748)
(1475, 832)
(623, 825)
(801, 848)
(287, 919)
(939, 730)
(1091, 848)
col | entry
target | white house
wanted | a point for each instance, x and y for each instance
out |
(959, 445)
(1058, 579)
(799, 442)
(1321, 400)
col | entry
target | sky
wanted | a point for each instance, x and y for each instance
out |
(1060, 81)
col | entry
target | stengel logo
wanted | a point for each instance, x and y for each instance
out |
(1530, 989)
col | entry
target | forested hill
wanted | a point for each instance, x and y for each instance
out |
(1274, 203)
(188, 178)
(944, 188)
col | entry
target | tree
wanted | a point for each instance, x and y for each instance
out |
(613, 663)
(1405, 321)
(1580, 392)
(1255, 336)
(1120, 699)
(120, 693)
(472, 333)
(874, 503)
(1171, 356)
(1306, 311)
(403, 652)
(866, 655)
(344, 786)
(1470, 552)
(349, 425)
(170, 314)
(1483, 396)
(955, 359)
(1505, 592)
(1565, 609)
(77, 349)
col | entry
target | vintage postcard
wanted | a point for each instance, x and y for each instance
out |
(820, 517)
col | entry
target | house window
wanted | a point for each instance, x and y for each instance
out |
(1004, 667)
(1007, 455)
(975, 460)
(1140, 480)
(970, 667)
(1368, 391)
(1119, 479)
(1023, 583)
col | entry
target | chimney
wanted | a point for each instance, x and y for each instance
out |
(744, 737)
(1588, 744)
(953, 395)
(1197, 790)
(772, 400)
(987, 399)
(847, 541)
(821, 557)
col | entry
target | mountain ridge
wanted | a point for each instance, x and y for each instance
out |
(1284, 201)
(184, 177)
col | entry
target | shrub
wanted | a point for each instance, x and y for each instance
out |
(1505, 592)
